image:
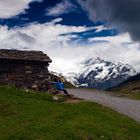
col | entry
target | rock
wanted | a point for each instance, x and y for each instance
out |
(28, 72)
(41, 76)
(36, 82)
(35, 87)
(28, 67)
(55, 98)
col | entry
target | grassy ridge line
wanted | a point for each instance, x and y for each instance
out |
(35, 116)
(127, 90)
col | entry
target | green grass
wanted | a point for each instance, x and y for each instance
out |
(127, 93)
(127, 90)
(35, 116)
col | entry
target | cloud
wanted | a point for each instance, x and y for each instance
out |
(122, 14)
(61, 8)
(57, 20)
(46, 37)
(10, 8)
(68, 56)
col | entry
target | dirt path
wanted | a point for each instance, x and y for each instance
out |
(128, 107)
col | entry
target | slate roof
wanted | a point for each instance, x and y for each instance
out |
(18, 55)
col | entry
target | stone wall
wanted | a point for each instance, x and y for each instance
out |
(24, 75)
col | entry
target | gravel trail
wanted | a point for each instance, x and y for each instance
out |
(128, 107)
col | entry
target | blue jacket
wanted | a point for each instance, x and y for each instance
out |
(59, 85)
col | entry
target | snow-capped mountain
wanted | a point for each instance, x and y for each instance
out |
(101, 74)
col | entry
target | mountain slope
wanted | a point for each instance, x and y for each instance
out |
(129, 88)
(131, 80)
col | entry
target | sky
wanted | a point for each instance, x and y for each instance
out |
(73, 31)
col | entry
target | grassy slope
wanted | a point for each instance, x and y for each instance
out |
(129, 88)
(126, 90)
(29, 116)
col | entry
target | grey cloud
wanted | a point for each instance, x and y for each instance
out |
(122, 14)
(26, 38)
(19, 36)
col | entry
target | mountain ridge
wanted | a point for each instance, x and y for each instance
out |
(101, 74)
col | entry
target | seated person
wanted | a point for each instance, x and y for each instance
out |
(60, 86)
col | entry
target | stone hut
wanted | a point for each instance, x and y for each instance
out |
(25, 69)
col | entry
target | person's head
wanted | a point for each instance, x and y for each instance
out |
(55, 80)
(60, 81)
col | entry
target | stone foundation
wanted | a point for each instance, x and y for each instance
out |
(30, 76)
